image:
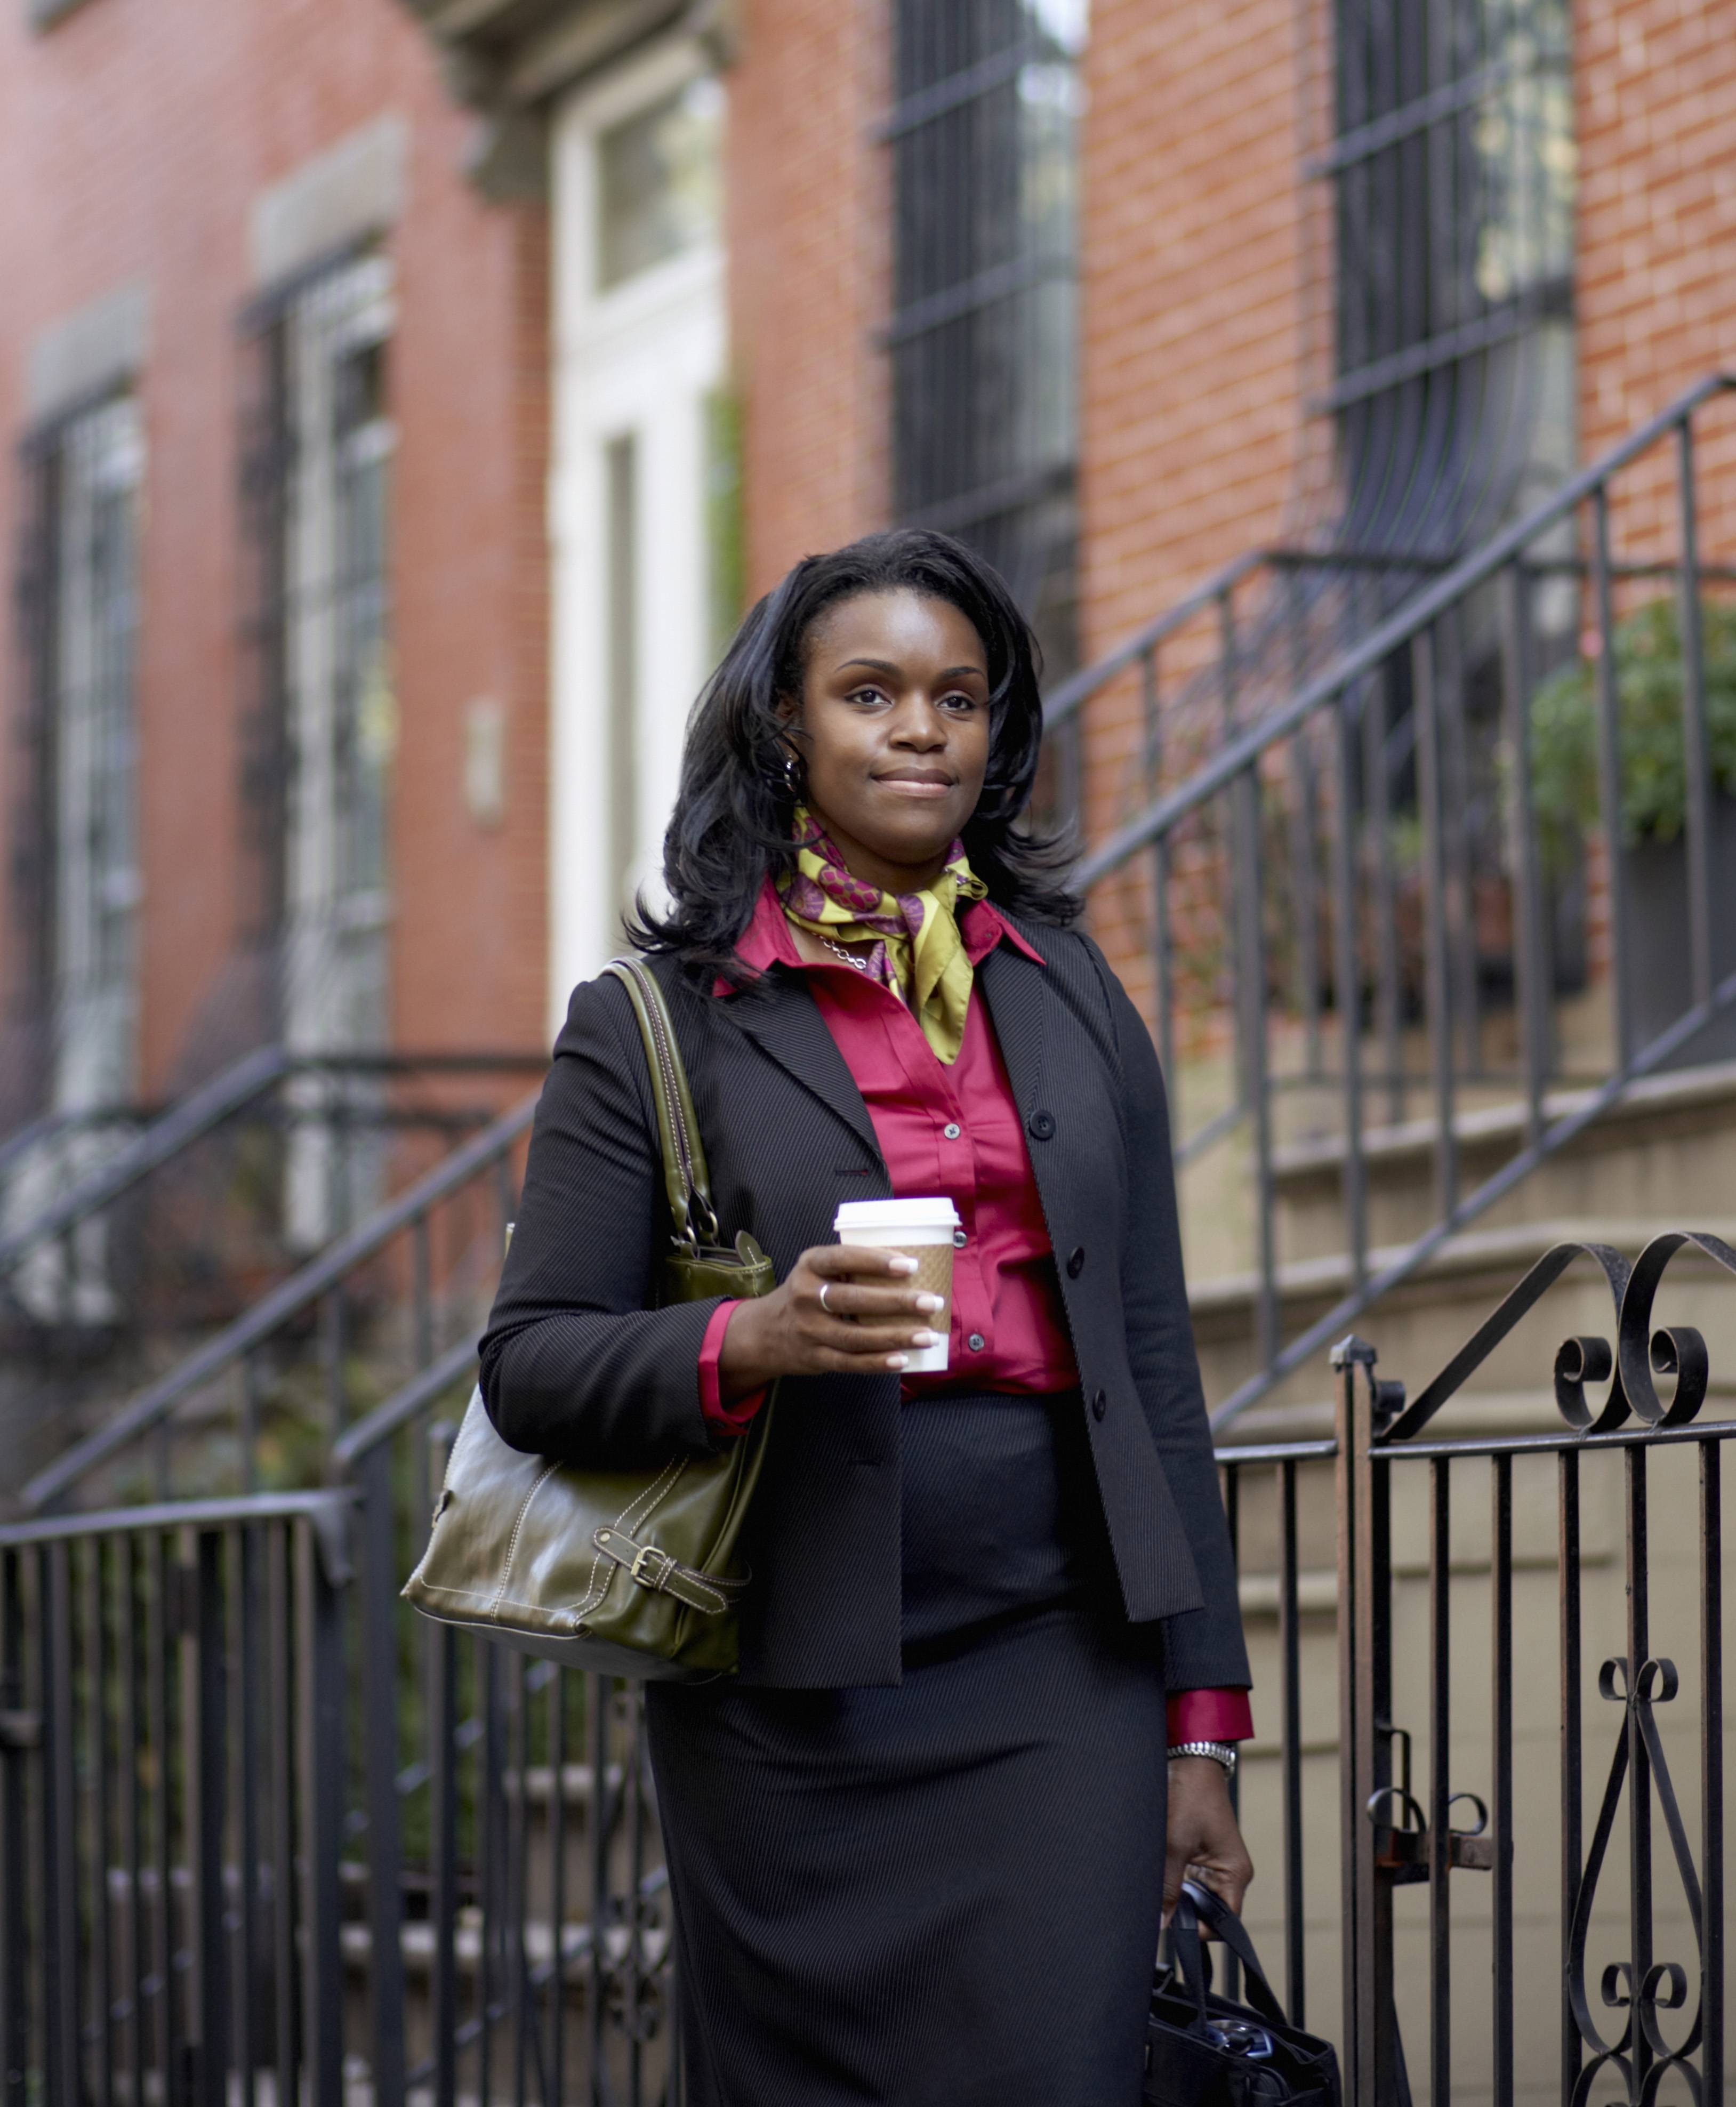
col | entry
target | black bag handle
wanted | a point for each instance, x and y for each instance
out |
(1196, 1905)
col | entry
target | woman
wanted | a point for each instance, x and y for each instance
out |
(920, 1846)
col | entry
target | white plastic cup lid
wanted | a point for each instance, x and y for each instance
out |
(895, 1214)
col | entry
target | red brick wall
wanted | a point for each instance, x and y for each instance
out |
(134, 139)
(808, 260)
(1655, 294)
(1201, 343)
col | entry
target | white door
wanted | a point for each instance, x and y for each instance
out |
(639, 353)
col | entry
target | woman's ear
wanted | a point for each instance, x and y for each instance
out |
(791, 735)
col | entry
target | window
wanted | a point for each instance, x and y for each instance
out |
(983, 338)
(96, 875)
(81, 881)
(657, 183)
(1454, 176)
(325, 723)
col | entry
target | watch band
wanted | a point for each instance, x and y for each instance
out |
(1220, 1752)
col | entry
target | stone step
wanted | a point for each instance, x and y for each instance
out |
(1418, 1326)
(1669, 1144)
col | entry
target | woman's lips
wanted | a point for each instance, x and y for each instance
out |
(917, 786)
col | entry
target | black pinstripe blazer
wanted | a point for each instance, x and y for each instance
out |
(575, 1366)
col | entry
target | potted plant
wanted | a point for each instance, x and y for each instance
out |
(1647, 652)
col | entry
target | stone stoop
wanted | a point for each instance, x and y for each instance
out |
(1666, 1149)
(1663, 1158)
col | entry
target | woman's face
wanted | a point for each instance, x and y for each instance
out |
(894, 708)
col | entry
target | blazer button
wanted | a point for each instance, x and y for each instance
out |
(1076, 1262)
(1099, 1404)
(1041, 1125)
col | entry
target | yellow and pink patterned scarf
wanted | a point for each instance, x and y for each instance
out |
(916, 950)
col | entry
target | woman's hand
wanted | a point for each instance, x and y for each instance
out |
(873, 1318)
(1203, 1843)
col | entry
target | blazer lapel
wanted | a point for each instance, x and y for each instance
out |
(785, 1021)
(1011, 986)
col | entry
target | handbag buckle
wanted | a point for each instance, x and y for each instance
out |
(652, 1566)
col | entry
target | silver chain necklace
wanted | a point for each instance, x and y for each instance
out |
(862, 966)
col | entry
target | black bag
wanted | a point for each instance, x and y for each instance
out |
(1203, 2050)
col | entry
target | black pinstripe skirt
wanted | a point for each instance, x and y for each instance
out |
(948, 1891)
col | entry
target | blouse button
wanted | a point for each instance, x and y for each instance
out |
(975, 1342)
(952, 1130)
(958, 1239)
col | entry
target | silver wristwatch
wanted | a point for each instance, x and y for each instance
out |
(1220, 1752)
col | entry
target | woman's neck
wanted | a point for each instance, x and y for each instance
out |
(862, 864)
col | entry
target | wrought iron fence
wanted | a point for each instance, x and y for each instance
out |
(171, 1815)
(261, 1826)
(1619, 1560)
(456, 1890)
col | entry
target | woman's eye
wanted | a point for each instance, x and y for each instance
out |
(960, 705)
(865, 695)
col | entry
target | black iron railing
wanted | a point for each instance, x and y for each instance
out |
(193, 1192)
(1352, 894)
(173, 1693)
(418, 1270)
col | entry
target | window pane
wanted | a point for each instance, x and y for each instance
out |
(657, 183)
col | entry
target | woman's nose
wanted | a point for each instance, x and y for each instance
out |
(920, 723)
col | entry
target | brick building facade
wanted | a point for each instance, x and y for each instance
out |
(165, 172)
(1182, 317)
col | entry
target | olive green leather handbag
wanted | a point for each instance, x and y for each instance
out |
(630, 1572)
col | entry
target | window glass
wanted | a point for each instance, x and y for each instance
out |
(657, 183)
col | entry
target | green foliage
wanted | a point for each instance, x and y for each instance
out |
(1648, 690)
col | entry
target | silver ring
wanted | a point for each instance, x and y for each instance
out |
(824, 1285)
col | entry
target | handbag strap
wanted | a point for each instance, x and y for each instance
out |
(1198, 1905)
(686, 1179)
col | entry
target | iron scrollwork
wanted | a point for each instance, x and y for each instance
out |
(1640, 1380)
(1640, 1355)
(1664, 1985)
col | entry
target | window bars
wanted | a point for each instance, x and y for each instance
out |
(77, 878)
(982, 334)
(1453, 182)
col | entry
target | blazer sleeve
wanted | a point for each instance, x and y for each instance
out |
(1203, 1648)
(574, 1365)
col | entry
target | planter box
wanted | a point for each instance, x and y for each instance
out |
(1658, 977)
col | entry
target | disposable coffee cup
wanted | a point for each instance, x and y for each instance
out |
(922, 1230)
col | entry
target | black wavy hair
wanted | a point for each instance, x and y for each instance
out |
(731, 827)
